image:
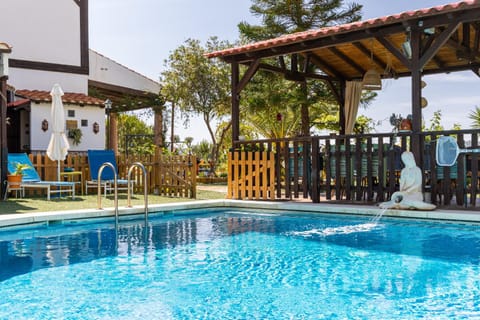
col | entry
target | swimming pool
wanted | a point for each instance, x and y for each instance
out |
(226, 264)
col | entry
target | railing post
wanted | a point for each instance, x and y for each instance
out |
(315, 171)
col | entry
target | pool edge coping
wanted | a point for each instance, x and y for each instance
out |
(14, 219)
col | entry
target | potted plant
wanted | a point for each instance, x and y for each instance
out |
(401, 124)
(76, 135)
(406, 124)
(15, 178)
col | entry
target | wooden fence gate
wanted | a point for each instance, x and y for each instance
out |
(175, 176)
(251, 175)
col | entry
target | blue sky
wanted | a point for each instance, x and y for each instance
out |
(141, 34)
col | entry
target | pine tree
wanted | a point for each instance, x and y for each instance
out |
(280, 17)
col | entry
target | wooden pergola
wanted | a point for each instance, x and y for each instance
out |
(125, 99)
(441, 39)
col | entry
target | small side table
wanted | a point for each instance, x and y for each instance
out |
(16, 188)
(74, 176)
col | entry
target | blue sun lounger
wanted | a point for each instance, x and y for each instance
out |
(96, 158)
(31, 179)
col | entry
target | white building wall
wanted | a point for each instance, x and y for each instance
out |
(105, 70)
(90, 140)
(43, 80)
(43, 31)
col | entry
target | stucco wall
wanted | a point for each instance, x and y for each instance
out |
(42, 31)
(43, 80)
(90, 140)
(46, 31)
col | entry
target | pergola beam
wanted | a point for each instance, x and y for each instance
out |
(396, 52)
(252, 69)
(347, 60)
(368, 53)
(325, 67)
(462, 52)
(307, 75)
(439, 41)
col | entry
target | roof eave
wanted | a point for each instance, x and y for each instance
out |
(377, 26)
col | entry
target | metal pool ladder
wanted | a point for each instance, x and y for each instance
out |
(145, 188)
(129, 186)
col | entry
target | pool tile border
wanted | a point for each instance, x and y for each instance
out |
(15, 219)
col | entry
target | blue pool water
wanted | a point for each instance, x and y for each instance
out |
(232, 265)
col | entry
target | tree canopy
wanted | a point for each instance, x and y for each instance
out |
(269, 96)
(474, 115)
(140, 135)
(289, 16)
(199, 86)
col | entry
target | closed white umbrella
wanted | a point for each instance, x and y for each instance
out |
(58, 145)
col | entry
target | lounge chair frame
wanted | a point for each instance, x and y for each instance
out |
(95, 160)
(32, 179)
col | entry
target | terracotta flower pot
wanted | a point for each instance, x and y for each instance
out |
(405, 125)
(14, 180)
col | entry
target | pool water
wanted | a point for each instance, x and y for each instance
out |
(233, 265)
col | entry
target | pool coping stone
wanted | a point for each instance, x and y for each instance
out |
(15, 219)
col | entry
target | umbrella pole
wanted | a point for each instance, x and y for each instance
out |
(58, 170)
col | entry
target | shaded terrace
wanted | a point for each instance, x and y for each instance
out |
(435, 40)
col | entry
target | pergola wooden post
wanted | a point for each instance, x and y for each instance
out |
(341, 102)
(158, 126)
(416, 95)
(235, 102)
(113, 132)
(159, 143)
(5, 49)
(3, 133)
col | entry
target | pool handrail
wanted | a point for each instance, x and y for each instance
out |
(115, 189)
(145, 188)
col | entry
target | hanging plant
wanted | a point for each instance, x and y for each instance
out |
(400, 123)
(76, 135)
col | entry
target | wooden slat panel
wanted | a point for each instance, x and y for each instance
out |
(177, 174)
(251, 178)
(251, 175)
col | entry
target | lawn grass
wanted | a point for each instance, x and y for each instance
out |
(40, 204)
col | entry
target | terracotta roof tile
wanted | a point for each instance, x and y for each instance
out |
(335, 30)
(18, 103)
(67, 98)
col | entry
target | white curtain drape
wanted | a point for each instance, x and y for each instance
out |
(353, 93)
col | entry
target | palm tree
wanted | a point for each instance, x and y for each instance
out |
(475, 116)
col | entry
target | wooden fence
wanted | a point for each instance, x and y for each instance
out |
(251, 175)
(173, 176)
(358, 168)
